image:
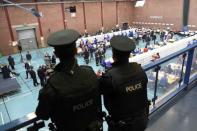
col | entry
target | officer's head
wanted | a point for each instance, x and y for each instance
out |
(121, 48)
(64, 44)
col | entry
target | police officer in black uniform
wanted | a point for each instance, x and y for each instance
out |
(27, 68)
(86, 55)
(28, 56)
(33, 76)
(124, 89)
(11, 62)
(97, 56)
(71, 95)
(41, 75)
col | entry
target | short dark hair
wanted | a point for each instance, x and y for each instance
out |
(65, 52)
(121, 56)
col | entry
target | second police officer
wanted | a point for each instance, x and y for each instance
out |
(70, 97)
(124, 87)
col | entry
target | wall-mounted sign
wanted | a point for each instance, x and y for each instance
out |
(156, 17)
(25, 24)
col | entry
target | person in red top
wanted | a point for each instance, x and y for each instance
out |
(145, 49)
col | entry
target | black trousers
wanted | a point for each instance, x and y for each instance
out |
(35, 82)
(87, 61)
(42, 81)
(27, 72)
(97, 61)
(91, 55)
(12, 66)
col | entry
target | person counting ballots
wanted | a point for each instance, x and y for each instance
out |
(124, 88)
(70, 97)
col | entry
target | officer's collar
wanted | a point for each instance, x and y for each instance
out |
(119, 63)
(67, 67)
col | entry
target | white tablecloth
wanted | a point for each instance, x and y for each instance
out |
(102, 36)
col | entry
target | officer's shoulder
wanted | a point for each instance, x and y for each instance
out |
(87, 70)
(47, 91)
(108, 73)
(135, 65)
(86, 67)
(109, 70)
(51, 74)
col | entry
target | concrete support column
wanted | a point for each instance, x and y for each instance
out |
(186, 5)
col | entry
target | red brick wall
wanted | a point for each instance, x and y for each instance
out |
(52, 19)
(93, 16)
(125, 12)
(20, 17)
(77, 22)
(170, 10)
(193, 13)
(109, 15)
(4, 33)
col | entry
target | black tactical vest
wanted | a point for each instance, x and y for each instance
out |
(77, 99)
(129, 94)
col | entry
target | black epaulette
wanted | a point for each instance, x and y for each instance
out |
(86, 67)
(89, 68)
(135, 64)
(108, 70)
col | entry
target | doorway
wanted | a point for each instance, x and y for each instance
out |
(27, 38)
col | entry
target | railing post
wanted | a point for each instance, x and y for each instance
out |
(156, 81)
(183, 63)
(188, 66)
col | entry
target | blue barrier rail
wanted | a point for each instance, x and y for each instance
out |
(156, 66)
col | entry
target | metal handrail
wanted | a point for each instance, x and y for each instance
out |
(20, 123)
(165, 59)
(32, 118)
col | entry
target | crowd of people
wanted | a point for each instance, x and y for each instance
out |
(93, 49)
(42, 72)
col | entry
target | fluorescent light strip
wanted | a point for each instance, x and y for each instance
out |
(140, 3)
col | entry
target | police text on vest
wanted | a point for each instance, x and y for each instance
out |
(83, 105)
(132, 88)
